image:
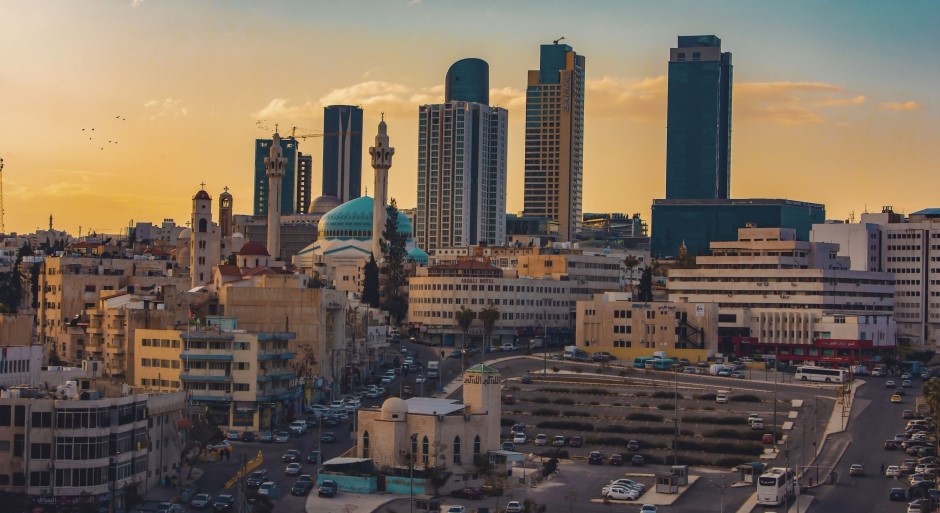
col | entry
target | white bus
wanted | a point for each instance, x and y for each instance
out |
(775, 486)
(807, 373)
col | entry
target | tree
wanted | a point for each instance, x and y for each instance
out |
(370, 284)
(646, 285)
(201, 434)
(932, 396)
(304, 363)
(464, 320)
(393, 251)
(11, 283)
(489, 316)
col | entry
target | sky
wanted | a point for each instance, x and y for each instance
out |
(834, 102)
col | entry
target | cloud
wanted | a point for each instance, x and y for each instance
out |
(136, 3)
(414, 2)
(64, 183)
(387, 96)
(279, 108)
(908, 106)
(790, 103)
(508, 98)
(169, 107)
(632, 98)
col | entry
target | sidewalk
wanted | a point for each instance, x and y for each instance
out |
(355, 503)
(169, 494)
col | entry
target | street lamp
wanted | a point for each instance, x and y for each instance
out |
(411, 479)
(721, 486)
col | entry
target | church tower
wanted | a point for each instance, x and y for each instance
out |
(199, 247)
(381, 162)
(274, 165)
(225, 213)
(482, 390)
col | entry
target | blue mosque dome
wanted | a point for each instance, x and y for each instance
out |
(417, 255)
(353, 220)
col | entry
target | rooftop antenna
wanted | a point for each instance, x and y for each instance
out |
(562, 38)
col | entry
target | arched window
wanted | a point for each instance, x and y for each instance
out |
(476, 445)
(456, 450)
(414, 446)
(365, 444)
(425, 448)
(203, 224)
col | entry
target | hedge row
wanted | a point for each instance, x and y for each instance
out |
(723, 421)
(645, 417)
(663, 394)
(734, 433)
(545, 412)
(565, 424)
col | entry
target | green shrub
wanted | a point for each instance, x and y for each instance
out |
(666, 394)
(666, 406)
(539, 400)
(622, 373)
(734, 433)
(561, 454)
(545, 412)
(573, 413)
(613, 428)
(641, 393)
(616, 404)
(706, 419)
(731, 461)
(745, 398)
(564, 400)
(594, 403)
(644, 405)
(566, 424)
(710, 396)
(645, 417)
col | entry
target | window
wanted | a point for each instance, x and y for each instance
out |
(42, 419)
(456, 450)
(40, 451)
(18, 441)
(365, 444)
(5, 416)
(425, 449)
(19, 415)
(476, 445)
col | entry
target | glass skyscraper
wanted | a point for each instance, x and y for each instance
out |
(698, 133)
(342, 152)
(468, 80)
(554, 137)
(288, 183)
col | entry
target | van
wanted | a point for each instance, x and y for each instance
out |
(536, 343)
(434, 369)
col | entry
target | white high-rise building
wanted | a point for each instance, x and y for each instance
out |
(461, 175)
(909, 248)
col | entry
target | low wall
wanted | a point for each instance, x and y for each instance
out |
(402, 486)
(354, 484)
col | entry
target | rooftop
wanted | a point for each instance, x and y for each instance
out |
(433, 406)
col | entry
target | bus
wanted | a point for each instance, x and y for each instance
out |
(808, 373)
(775, 486)
(640, 361)
(664, 363)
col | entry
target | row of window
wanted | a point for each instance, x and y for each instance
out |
(155, 362)
(160, 342)
(14, 366)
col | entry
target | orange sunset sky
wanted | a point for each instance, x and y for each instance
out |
(833, 102)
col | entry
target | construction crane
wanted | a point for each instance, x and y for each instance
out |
(3, 228)
(312, 133)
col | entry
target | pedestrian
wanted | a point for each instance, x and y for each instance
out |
(882, 468)
(175, 482)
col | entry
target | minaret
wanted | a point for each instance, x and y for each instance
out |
(225, 213)
(381, 161)
(274, 169)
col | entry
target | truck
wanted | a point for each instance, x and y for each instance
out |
(434, 369)
(575, 354)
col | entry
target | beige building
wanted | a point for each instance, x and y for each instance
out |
(68, 286)
(616, 324)
(442, 433)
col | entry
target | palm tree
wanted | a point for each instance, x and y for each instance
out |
(489, 316)
(464, 319)
(932, 396)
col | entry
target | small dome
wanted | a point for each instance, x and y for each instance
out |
(186, 234)
(417, 255)
(324, 204)
(202, 195)
(394, 408)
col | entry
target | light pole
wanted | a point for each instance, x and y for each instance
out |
(675, 437)
(411, 479)
(722, 487)
(544, 343)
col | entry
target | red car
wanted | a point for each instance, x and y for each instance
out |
(509, 399)
(468, 493)
(768, 438)
(616, 460)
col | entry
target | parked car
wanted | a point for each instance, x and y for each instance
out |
(270, 489)
(633, 445)
(615, 460)
(200, 501)
(576, 441)
(721, 399)
(648, 508)
(256, 478)
(224, 444)
(282, 437)
(896, 398)
(313, 457)
(540, 439)
(507, 446)
(558, 441)
(638, 460)
(509, 399)
(595, 458)
(856, 470)
(328, 438)
(519, 439)
(893, 471)
(621, 493)
(602, 356)
(266, 437)
(187, 493)
(293, 469)
(891, 445)
(456, 508)
(768, 438)
(468, 493)
(907, 414)
(298, 427)
(233, 435)
(517, 428)
(300, 488)
(327, 488)
(248, 436)
(514, 507)
(897, 494)
(526, 379)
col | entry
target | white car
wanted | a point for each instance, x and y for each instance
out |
(541, 439)
(629, 482)
(893, 471)
(420, 379)
(519, 439)
(622, 494)
(299, 427)
(221, 445)
(721, 399)
(514, 507)
(269, 488)
(387, 379)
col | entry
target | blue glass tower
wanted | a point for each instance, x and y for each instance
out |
(342, 152)
(698, 132)
(262, 149)
(468, 80)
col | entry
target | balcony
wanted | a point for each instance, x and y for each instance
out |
(208, 378)
(203, 355)
(276, 355)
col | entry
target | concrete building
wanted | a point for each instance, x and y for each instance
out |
(20, 358)
(554, 139)
(909, 247)
(615, 323)
(525, 230)
(87, 443)
(436, 433)
(303, 190)
(70, 285)
(794, 299)
(242, 380)
(289, 150)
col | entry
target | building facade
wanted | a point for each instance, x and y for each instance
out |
(616, 324)
(794, 299)
(342, 152)
(554, 139)
(461, 175)
(303, 191)
(909, 247)
(468, 80)
(289, 149)
(698, 120)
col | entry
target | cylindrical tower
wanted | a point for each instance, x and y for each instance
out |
(381, 162)
(274, 165)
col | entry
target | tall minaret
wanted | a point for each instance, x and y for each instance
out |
(274, 165)
(381, 161)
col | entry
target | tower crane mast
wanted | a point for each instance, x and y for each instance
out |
(3, 228)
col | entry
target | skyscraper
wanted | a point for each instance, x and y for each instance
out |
(342, 152)
(304, 177)
(288, 151)
(698, 133)
(462, 166)
(468, 80)
(554, 136)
